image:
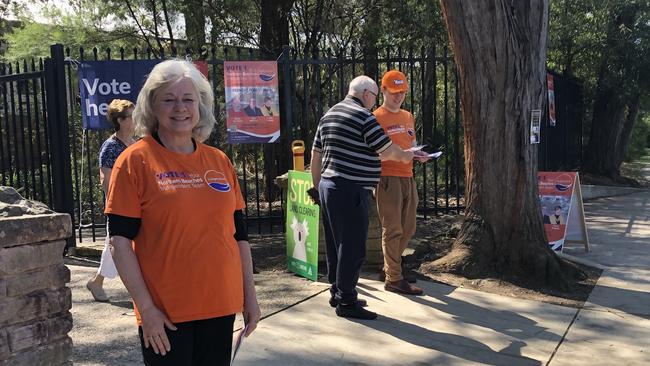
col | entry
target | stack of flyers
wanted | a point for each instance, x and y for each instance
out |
(237, 341)
(416, 148)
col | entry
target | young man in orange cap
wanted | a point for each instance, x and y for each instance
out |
(397, 197)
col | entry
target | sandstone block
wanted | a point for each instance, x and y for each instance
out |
(13, 204)
(22, 337)
(56, 353)
(4, 344)
(35, 305)
(24, 258)
(48, 277)
(34, 228)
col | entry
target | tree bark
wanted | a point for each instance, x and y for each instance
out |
(168, 23)
(601, 157)
(631, 116)
(370, 36)
(194, 23)
(500, 51)
(617, 86)
(274, 33)
(274, 29)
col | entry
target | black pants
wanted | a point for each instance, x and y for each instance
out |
(197, 343)
(345, 221)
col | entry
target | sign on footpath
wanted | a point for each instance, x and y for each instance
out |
(560, 198)
(302, 226)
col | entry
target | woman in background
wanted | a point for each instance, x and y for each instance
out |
(119, 113)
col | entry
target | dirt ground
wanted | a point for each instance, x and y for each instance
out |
(433, 240)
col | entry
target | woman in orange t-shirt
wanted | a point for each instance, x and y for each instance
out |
(177, 229)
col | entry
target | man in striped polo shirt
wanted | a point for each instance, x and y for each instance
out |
(345, 166)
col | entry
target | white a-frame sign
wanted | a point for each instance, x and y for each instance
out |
(560, 197)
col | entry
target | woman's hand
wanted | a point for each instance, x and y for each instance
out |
(252, 314)
(421, 156)
(153, 330)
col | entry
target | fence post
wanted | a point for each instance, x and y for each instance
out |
(287, 84)
(58, 130)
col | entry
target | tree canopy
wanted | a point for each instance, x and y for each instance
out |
(604, 44)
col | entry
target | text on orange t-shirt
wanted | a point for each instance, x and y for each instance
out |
(400, 127)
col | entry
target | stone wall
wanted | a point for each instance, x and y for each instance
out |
(374, 255)
(34, 300)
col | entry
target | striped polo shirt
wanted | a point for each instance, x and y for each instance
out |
(350, 141)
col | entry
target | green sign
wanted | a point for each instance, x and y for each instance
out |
(302, 226)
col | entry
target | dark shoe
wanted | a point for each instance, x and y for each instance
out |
(334, 302)
(354, 311)
(402, 287)
(407, 276)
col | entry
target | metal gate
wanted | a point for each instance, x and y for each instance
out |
(49, 157)
(34, 153)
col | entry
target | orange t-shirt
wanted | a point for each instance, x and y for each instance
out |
(400, 127)
(185, 246)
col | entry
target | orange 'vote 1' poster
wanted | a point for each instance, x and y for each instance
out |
(252, 102)
(555, 194)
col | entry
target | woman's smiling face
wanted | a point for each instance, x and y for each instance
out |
(176, 107)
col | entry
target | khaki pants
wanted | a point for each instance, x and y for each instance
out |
(397, 201)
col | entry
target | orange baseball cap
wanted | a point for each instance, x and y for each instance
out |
(395, 82)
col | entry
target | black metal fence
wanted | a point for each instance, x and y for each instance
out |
(24, 151)
(56, 161)
(561, 145)
(47, 156)
(34, 155)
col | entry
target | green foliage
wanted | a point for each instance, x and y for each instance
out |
(85, 26)
(606, 45)
(418, 23)
(640, 139)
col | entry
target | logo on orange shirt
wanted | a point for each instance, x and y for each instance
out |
(216, 180)
(394, 129)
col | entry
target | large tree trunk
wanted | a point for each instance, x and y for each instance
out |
(605, 137)
(274, 30)
(500, 51)
(194, 23)
(615, 94)
(274, 33)
(369, 37)
(631, 116)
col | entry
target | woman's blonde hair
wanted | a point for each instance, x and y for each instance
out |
(162, 75)
(117, 109)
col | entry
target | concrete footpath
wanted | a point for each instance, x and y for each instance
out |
(447, 326)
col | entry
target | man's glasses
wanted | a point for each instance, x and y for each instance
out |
(374, 94)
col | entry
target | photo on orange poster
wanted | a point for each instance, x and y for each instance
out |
(551, 99)
(555, 194)
(252, 101)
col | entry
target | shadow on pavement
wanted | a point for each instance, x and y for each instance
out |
(452, 344)
(502, 321)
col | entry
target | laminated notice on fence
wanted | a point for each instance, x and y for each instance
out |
(563, 214)
(252, 103)
(535, 126)
(302, 226)
(102, 81)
